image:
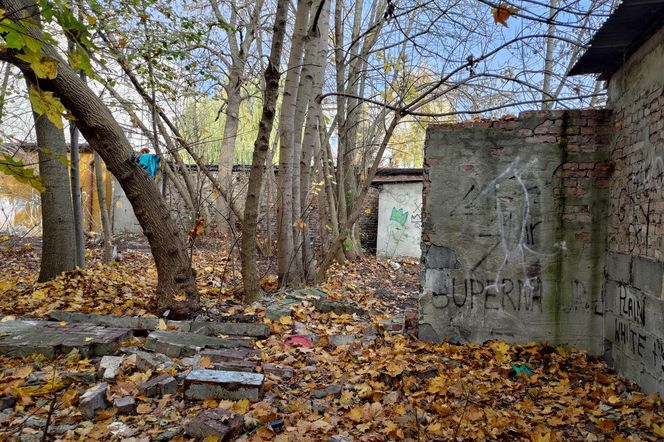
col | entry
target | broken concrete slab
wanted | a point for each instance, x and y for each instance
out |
(230, 329)
(125, 405)
(339, 308)
(151, 323)
(23, 338)
(223, 355)
(159, 386)
(109, 367)
(218, 423)
(136, 323)
(150, 361)
(246, 366)
(179, 344)
(277, 309)
(310, 294)
(338, 340)
(218, 384)
(94, 399)
(280, 371)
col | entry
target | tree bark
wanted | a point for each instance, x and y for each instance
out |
(176, 281)
(311, 85)
(289, 269)
(252, 288)
(58, 241)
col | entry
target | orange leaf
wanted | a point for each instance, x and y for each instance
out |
(502, 13)
(206, 362)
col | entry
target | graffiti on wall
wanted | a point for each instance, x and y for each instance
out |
(630, 329)
(636, 204)
(401, 224)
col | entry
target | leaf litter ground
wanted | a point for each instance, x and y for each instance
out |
(381, 386)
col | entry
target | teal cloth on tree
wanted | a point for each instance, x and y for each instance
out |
(150, 163)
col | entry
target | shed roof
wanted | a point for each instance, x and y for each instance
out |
(623, 33)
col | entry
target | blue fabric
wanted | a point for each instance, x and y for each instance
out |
(150, 163)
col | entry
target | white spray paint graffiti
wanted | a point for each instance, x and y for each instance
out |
(515, 249)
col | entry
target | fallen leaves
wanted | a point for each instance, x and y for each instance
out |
(388, 386)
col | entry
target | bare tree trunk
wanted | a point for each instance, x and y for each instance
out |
(548, 57)
(252, 288)
(176, 282)
(311, 85)
(103, 209)
(58, 242)
(239, 55)
(289, 267)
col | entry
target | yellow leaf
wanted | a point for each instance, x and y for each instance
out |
(62, 323)
(286, 320)
(241, 406)
(54, 384)
(144, 409)
(355, 414)
(42, 67)
(162, 325)
(210, 403)
(23, 372)
(211, 438)
(88, 339)
(39, 294)
(658, 429)
(44, 103)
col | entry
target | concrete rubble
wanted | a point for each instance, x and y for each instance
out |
(109, 367)
(180, 344)
(222, 424)
(24, 338)
(159, 386)
(218, 384)
(125, 405)
(93, 400)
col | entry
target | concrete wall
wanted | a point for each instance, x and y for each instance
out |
(514, 231)
(399, 220)
(122, 216)
(634, 326)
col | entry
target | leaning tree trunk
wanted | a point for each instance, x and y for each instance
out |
(58, 241)
(176, 280)
(252, 288)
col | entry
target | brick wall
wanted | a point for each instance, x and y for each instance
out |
(634, 321)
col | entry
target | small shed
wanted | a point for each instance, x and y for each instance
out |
(391, 225)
